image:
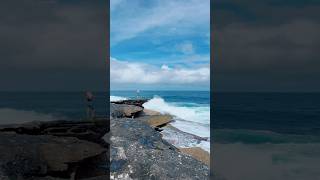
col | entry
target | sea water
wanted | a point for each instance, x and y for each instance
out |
(27, 106)
(266, 136)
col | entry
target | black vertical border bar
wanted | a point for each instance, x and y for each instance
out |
(107, 57)
(107, 76)
(211, 88)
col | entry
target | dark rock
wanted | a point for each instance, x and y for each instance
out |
(135, 102)
(85, 130)
(123, 110)
(96, 166)
(105, 177)
(48, 178)
(139, 152)
(28, 156)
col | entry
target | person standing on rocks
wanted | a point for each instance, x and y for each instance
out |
(90, 108)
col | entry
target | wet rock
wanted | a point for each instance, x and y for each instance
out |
(123, 110)
(28, 156)
(139, 152)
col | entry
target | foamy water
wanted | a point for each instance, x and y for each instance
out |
(189, 118)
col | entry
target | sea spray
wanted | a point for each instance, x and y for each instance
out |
(191, 118)
(196, 113)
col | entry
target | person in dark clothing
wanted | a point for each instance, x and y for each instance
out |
(90, 109)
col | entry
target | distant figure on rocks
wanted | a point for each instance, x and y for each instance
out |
(90, 108)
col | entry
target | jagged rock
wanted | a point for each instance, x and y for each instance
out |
(135, 102)
(139, 152)
(27, 156)
(123, 110)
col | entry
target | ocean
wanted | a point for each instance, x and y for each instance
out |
(28, 106)
(266, 136)
(190, 111)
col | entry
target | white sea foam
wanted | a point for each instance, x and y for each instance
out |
(117, 98)
(193, 119)
(197, 114)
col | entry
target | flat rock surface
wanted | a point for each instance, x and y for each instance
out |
(139, 152)
(24, 156)
(123, 110)
(85, 130)
(135, 102)
(197, 153)
(148, 112)
(156, 120)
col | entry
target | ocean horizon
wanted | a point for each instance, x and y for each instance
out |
(247, 118)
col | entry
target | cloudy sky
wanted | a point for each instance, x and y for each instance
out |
(160, 44)
(52, 45)
(269, 45)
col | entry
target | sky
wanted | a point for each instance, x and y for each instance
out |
(52, 45)
(160, 45)
(269, 45)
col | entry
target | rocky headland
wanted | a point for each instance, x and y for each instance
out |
(138, 150)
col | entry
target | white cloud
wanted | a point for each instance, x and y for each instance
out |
(133, 18)
(165, 67)
(140, 73)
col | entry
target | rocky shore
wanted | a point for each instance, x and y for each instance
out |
(54, 150)
(61, 150)
(138, 150)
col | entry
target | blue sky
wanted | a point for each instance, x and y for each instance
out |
(160, 44)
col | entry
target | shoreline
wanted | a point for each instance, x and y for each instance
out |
(161, 121)
(167, 124)
(121, 146)
(139, 149)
